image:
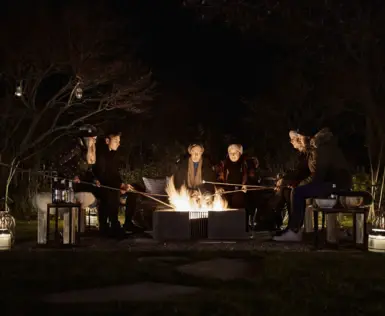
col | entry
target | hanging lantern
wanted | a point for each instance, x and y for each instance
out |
(79, 93)
(18, 91)
(7, 230)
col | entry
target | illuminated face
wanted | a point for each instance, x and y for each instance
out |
(196, 153)
(234, 155)
(298, 142)
(113, 142)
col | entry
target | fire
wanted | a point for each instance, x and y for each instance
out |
(184, 201)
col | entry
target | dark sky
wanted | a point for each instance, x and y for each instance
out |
(213, 58)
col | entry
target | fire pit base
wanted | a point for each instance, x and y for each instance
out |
(227, 225)
(169, 225)
(179, 226)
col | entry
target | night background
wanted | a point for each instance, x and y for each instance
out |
(221, 71)
(169, 73)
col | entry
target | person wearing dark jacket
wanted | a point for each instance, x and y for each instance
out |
(107, 173)
(328, 172)
(235, 171)
(292, 178)
(76, 163)
(193, 170)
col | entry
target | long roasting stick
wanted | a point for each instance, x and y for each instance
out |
(152, 198)
(235, 191)
(235, 184)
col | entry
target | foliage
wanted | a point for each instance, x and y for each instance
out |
(361, 182)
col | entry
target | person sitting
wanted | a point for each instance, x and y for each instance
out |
(193, 170)
(76, 164)
(328, 172)
(292, 178)
(234, 171)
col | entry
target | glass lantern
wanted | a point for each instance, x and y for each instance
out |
(79, 93)
(7, 230)
(18, 91)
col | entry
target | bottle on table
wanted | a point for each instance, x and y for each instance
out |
(71, 193)
(64, 191)
(56, 193)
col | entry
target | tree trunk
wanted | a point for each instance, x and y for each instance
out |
(14, 164)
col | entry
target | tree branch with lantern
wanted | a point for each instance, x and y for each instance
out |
(58, 78)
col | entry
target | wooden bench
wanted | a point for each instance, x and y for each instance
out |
(339, 209)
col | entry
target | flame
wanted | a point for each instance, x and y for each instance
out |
(184, 201)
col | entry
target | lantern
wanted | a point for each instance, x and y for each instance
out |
(92, 218)
(18, 91)
(7, 230)
(79, 93)
(376, 238)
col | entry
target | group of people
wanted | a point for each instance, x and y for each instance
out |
(321, 170)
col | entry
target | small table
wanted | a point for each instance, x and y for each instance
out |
(56, 207)
(354, 211)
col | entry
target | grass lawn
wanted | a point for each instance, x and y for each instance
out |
(310, 283)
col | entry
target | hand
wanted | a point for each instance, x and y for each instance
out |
(278, 185)
(220, 191)
(76, 179)
(126, 187)
(97, 183)
(244, 188)
(129, 187)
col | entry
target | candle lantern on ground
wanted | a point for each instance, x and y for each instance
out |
(92, 218)
(376, 238)
(7, 230)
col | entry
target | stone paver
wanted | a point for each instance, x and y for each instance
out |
(146, 291)
(221, 268)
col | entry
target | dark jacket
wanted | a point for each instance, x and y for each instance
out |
(106, 168)
(327, 162)
(234, 172)
(180, 175)
(300, 172)
(73, 162)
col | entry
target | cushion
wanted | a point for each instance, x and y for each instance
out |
(155, 186)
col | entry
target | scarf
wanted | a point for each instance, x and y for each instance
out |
(194, 179)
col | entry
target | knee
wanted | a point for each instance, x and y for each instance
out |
(297, 193)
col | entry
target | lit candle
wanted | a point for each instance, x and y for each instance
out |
(5, 239)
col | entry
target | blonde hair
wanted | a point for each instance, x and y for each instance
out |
(190, 148)
(236, 147)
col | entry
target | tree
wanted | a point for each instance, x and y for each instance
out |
(69, 67)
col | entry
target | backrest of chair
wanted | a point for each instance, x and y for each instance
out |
(155, 186)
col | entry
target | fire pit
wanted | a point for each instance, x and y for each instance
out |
(197, 216)
(193, 225)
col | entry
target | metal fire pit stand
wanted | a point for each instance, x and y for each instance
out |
(57, 237)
